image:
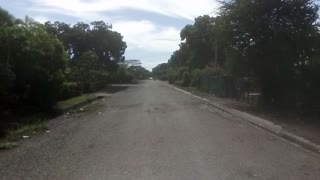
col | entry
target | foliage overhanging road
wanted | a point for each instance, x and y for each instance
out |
(151, 131)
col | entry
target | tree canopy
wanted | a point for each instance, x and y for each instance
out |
(43, 63)
(33, 63)
(96, 37)
(274, 42)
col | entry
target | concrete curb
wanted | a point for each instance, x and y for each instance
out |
(259, 122)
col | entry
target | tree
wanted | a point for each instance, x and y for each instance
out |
(6, 19)
(275, 39)
(36, 60)
(95, 52)
(203, 43)
(160, 71)
(96, 37)
(82, 69)
(6, 74)
(139, 72)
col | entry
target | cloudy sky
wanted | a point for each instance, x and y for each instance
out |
(150, 27)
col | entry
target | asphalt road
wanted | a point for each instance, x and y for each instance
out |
(150, 132)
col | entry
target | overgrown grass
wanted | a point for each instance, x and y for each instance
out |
(195, 91)
(94, 106)
(8, 145)
(25, 130)
(13, 136)
(74, 101)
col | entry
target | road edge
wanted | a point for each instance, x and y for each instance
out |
(258, 122)
(78, 105)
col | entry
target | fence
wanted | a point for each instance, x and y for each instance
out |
(229, 87)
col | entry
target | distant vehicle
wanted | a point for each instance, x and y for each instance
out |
(151, 78)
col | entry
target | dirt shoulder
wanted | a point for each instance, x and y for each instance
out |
(305, 127)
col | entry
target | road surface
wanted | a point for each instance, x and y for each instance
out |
(152, 132)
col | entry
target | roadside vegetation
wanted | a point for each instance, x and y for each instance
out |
(42, 64)
(268, 47)
(74, 101)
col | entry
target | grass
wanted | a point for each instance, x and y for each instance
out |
(25, 130)
(86, 108)
(8, 145)
(74, 101)
(13, 136)
(195, 91)
(33, 123)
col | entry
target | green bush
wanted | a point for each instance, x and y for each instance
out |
(181, 72)
(178, 83)
(6, 80)
(70, 89)
(98, 85)
(121, 76)
(161, 72)
(196, 76)
(186, 79)
(172, 75)
(164, 77)
(36, 63)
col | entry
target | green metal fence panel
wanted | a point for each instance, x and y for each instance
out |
(222, 86)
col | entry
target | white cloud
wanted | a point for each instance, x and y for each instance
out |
(142, 37)
(40, 19)
(147, 36)
(154, 43)
(188, 9)
(151, 64)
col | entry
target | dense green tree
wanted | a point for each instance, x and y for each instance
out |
(6, 19)
(83, 69)
(96, 37)
(160, 71)
(6, 74)
(42, 64)
(275, 39)
(274, 44)
(139, 72)
(199, 38)
(95, 52)
(34, 61)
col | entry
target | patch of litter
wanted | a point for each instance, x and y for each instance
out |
(99, 113)
(81, 109)
(25, 137)
(47, 131)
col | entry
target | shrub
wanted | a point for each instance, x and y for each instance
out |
(181, 71)
(6, 80)
(37, 62)
(98, 85)
(69, 90)
(121, 76)
(186, 79)
(178, 83)
(196, 76)
(172, 75)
